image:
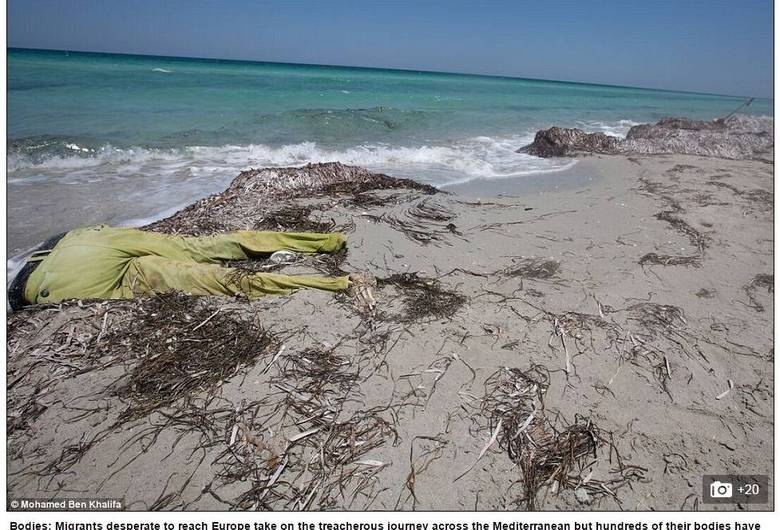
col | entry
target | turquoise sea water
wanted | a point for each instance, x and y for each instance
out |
(118, 137)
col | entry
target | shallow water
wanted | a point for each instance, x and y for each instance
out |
(115, 138)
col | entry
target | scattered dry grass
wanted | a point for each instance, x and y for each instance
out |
(658, 317)
(309, 451)
(322, 380)
(547, 456)
(23, 410)
(429, 211)
(183, 347)
(304, 445)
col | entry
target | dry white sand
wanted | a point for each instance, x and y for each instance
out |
(645, 353)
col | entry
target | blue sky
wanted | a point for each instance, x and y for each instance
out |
(714, 46)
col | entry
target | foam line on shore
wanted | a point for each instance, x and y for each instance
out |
(478, 157)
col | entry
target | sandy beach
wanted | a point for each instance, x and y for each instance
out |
(596, 344)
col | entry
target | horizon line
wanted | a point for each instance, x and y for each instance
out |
(440, 72)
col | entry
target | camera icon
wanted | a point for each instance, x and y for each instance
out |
(721, 490)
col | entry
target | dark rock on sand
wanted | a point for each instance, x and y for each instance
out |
(558, 141)
(737, 137)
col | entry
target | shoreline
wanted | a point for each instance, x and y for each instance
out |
(23, 244)
(581, 174)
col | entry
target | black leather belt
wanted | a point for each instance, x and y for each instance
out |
(16, 297)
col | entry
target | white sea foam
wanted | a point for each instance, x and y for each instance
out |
(479, 157)
(161, 178)
(162, 70)
(141, 221)
(618, 128)
(76, 147)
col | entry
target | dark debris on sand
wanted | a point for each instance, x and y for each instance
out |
(293, 218)
(177, 351)
(173, 346)
(252, 197)
(319, 462)
(533, 268)
(424, 222)
(737, 136)
(672, 216)
(184, 347)
(301, 444)
(423, 299)
(759, 282)
(651, 258)
(697, 239)
(548, 452)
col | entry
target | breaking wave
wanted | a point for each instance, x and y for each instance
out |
(479, 157)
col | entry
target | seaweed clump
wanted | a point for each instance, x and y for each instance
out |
(367, 199)
(652, 258)
(184, 347)
(766, 281)
(256, 191)
(425, 222)
(377, 181)
(698, 240)
(759, 197)
(658, 317)
(534, 268)
(294, 219)
(547, 455)
(423, 298)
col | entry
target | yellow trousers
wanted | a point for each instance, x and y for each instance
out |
(105, 262)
